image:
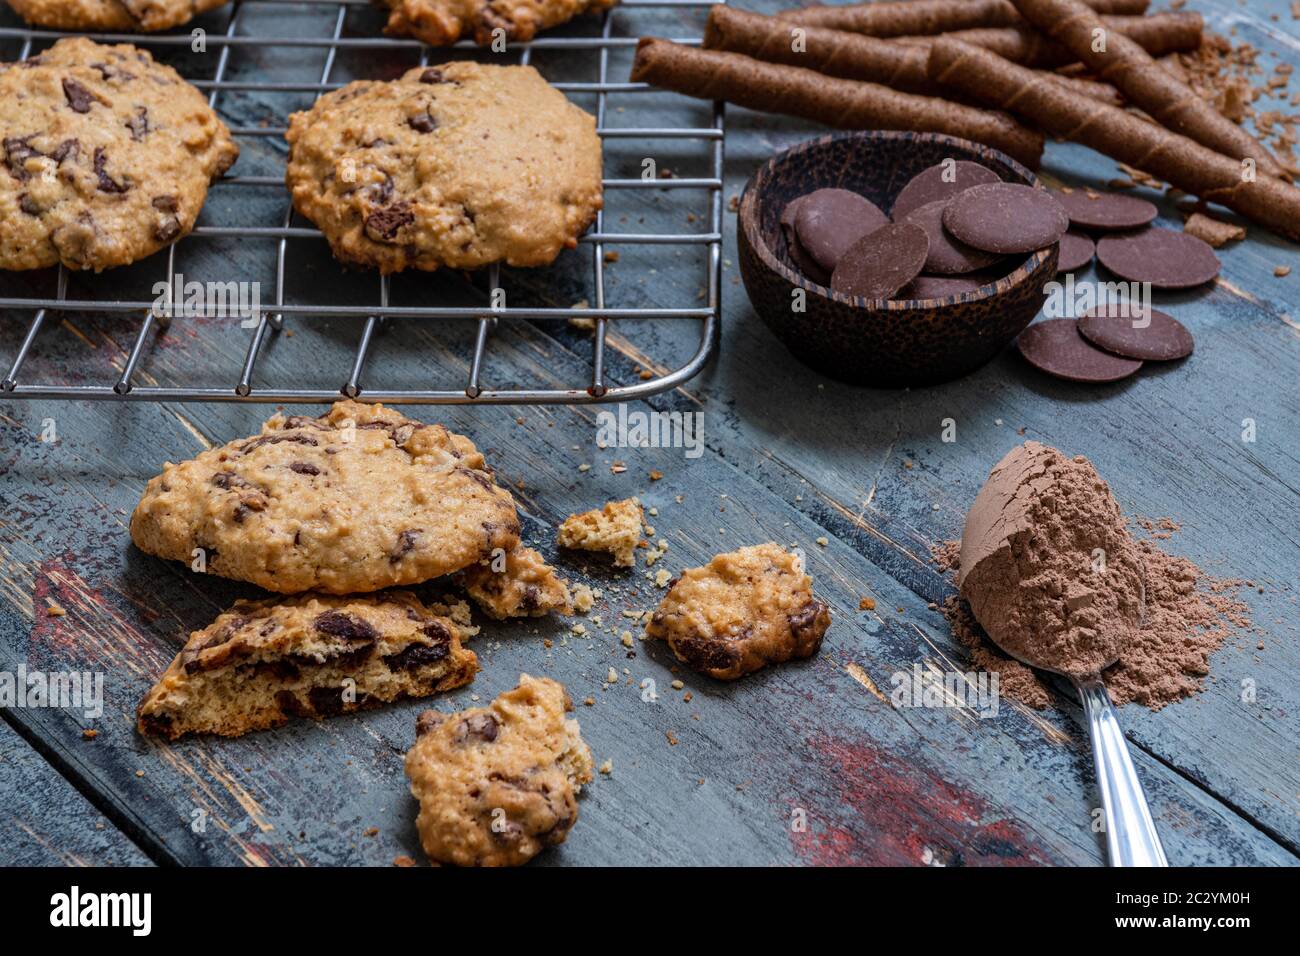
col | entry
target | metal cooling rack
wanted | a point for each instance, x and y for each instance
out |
(229, 43)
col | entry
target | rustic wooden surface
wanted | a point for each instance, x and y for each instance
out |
(790, 456)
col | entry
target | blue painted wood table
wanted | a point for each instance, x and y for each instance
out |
(808, 762)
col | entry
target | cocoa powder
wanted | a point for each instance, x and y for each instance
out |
(1187, 616)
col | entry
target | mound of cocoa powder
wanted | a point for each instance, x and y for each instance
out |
(1047, 564)
(1187, 615)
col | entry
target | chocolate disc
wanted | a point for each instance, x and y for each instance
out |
(1166, 259)
(1006, 218)
(1076, 253)
(803, 262)
(1089, 209)
(1056, 347)
(948, 256)
(940, 182)
(1156, 336)
(878, 265)
(935, 287)
(828, 221)
(787, 218)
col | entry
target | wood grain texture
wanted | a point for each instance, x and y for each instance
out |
(45, 822)
(797, 458)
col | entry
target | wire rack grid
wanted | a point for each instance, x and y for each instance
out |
(372, 317)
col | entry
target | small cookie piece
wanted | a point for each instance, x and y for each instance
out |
(143, 16)
(443, 22)
(105, 156)
(523, 586)
(615, 529)
(499, 784)
(740, 612)
(262, 662)
(458, 166)
(359, 499)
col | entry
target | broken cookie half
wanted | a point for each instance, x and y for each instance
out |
(516, 583)
(740, 612)
(262, 662)
(499, 784)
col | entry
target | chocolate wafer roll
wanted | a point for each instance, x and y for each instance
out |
(1182, 162)
(930, 17)
(853, 56)
(1159, 34)
(845, 104)
(1116, 59)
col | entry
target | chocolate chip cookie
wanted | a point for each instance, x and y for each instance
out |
(615, 529)
(144, 16)
(263, 662)
(459, 165)
(107, 156)
(443, 22)
(516, 583)
(356, 500)
(740, 612)
(499, 784)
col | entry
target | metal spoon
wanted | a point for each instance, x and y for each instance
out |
(1131, 837)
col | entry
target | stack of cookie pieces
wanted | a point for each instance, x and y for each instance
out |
(334, 510)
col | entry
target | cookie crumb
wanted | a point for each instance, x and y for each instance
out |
(55, 610)
(867, 604)
(607, 767)
(672, 738)
(371, 832)
(91, 734)
(403, 860)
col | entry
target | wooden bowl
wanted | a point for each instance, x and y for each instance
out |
(884, 343)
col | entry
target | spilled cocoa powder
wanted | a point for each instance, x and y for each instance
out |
(1188, 615)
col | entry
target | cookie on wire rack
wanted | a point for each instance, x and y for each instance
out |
(443, 22)
(107, 156)
(141, 16)
(456, 166)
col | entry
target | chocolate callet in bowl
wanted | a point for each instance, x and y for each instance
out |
(941, 181)
(829, 221)
(880, 264)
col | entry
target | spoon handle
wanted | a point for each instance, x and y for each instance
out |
(1131, 837)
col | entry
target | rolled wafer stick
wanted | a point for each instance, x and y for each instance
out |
(845, 104)
(1182, 162)
(929, 17)
(1159, 34)
(1115, 58)
(853, 56)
